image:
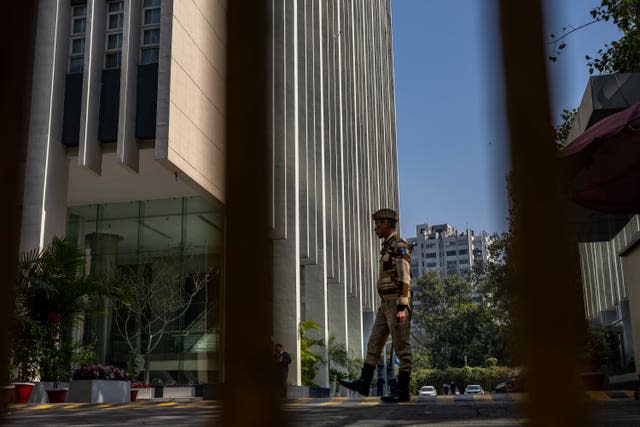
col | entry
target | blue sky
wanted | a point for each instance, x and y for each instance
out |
(452, 154)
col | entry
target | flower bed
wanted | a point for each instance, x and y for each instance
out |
(98, 384)
(99, 372)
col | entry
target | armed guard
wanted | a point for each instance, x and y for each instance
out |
(394, 313)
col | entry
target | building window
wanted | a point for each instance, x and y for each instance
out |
(150, 32)
(463, 252)
(430, 255)
(78, 30)
(463, 261)
(451, 253)
(430, 245)
(431, 264)
(113, 41)
(451, 264)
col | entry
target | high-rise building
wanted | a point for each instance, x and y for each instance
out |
(444, 249)
(126, 157)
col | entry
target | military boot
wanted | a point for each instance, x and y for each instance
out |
(362, 384)
(401, 393)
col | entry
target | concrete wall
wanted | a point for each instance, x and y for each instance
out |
(606, 284)
(190, 131)
(334, 163)
(44, 209)
(602, 274)
(631, 263)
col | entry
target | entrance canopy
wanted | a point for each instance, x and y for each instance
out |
(603, 164)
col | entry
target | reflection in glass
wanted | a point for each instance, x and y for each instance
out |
(168, 253)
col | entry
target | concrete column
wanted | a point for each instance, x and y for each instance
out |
(336, 312)
(127, 146)
(286, 303)
(89, 150)
(354, 326)
(368, 318)
(46, 175)
(315, 294)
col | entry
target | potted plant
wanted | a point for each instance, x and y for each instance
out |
(24, 359)
(52, 291)
(140, 390)
(99, 383)
(54, 364)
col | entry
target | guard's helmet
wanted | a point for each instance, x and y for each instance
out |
(385, 214)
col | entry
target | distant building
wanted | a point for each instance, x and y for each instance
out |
(444, 249)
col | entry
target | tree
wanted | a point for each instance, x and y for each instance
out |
(457, 330)
(52, 291)
(622, 55)
(151, 301)
(618, 56)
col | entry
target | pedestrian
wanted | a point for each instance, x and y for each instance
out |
(282, 360)
(445, 389)
(394, 313)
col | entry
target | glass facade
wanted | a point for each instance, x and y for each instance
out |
(169, 254)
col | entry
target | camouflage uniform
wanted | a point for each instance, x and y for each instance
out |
(393, 288)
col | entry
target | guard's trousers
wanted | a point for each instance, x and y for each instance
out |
(385, 323)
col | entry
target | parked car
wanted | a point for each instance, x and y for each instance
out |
(427, 390)
(473, 389)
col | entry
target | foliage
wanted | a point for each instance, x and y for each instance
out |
(618, 56)
(26, 350)
(622, 55)
(84, 354)
(336, 359)
(487, 377)
(421, 357)
(52, 290)
(562, 130)
(309, 360)
(602, 349)
(354, 367)
(594, 353)
(457, 330)
(491, 362)
(99, 372)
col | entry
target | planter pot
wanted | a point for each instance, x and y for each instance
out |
(57, 395)
(179, 392)
(100, 391)
(144, 393)
(23, 392)
(134, 394)
(8, 395)
(39, 393)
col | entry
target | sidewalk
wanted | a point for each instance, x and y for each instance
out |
(184, 403)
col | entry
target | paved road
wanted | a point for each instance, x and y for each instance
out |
(487, 410)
